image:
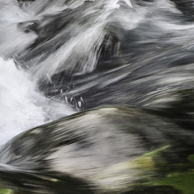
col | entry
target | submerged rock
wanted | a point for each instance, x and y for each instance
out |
(105, 150)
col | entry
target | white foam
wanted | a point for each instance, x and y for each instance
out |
(21, 105)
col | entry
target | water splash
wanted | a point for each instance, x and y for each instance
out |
(22, 106)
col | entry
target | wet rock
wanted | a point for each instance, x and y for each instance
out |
(105, 150)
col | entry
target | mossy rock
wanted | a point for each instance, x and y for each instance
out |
(105, 150)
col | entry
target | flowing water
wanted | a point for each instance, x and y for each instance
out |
(134, 58)
(59, 57)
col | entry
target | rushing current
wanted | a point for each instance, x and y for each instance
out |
(59, 57)
(96, 96)
(32, 50)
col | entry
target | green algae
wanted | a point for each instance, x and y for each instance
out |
(6, 191)
(183, 182)
(191, 158)
(145, 163)
(179, 176)
(157, 152)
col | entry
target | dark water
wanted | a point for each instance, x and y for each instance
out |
(147, 51)
(93, 53)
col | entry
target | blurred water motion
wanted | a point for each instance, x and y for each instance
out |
(125, 67)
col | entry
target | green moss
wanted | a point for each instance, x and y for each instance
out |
(144, 163)
(6, 191)
(176, 177)
(157, 152)
(191, 158)
(153, 160)
(183, 182)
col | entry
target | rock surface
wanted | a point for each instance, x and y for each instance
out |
(105, 150)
